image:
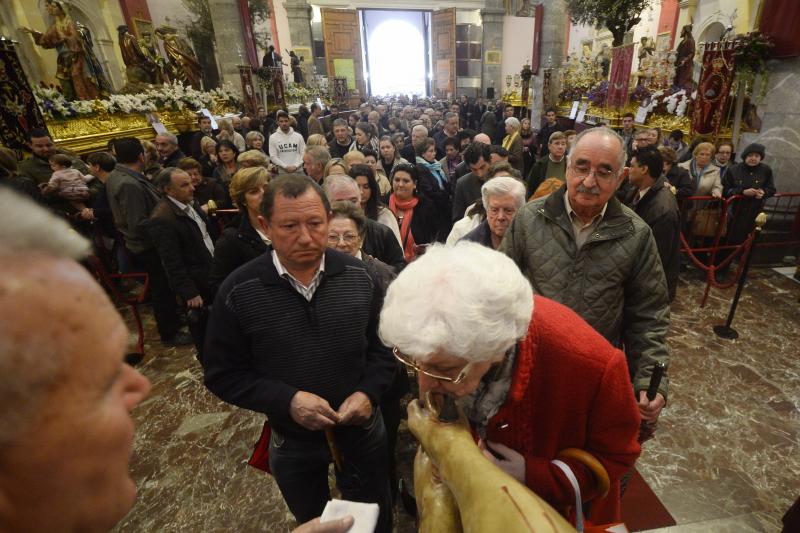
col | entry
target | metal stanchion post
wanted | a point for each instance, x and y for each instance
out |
(726, 331)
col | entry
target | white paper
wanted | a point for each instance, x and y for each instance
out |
(157, 125)
(641, 115)
(574, 110)
(365, 515)
(207, 113)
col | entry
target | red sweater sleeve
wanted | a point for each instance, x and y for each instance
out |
(613, 428)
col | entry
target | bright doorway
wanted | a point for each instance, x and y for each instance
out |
(397, 50)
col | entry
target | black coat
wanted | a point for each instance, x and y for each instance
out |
(679, 178)
(442, 198)
(743, 212)
(186, 260)
(543, 137)
(659, 209)
(236, 246)
(426, 225)
(381, 243)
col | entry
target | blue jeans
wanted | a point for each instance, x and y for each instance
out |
(301, 469)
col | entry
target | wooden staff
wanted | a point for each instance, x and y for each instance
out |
(335, 453)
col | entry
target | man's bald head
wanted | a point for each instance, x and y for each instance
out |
(482, 138)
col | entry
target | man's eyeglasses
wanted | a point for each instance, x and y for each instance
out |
(348, 238)
(411, 364)
(600, 174)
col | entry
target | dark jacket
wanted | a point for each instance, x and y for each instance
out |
(381, 243)
(614, 281)
(679, 178)
(338, 150)
(441, 197)
(743, 212)
(173, 159)
(23, 185)
(39, 170)
(468, 190)
(659, 209)
(186, 260)
(207, 166)
(426, 224)
(543, 137)
(210, 189)
(132, 199)
(237, 246)
(265, 342)
(481, 234)
(382, 273)
(537, 175)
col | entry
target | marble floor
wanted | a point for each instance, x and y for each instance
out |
(726, 457)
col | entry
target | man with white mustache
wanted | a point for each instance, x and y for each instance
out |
(581, 247)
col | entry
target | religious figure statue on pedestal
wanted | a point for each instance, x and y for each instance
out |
(182, 63)
(141, 67)
(684, 63)
(78, 71)
(297, 71)
(603, 61)
(646, 48)
(274, 62)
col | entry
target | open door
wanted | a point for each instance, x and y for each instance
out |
(443, 37)
(342, 36)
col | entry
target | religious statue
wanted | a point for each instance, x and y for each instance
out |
(182, 63)
(646, 47)
(684, 63)
(274, 62)
(78, 71)
(140, 68)
(603, 61)
(297, 71)
(148, 47)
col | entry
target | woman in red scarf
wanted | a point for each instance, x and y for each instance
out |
(416, 215)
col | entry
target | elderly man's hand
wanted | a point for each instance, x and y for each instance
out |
(340, 525)
(355, 410)
(650, 410)
(511, 462)
(312, 412)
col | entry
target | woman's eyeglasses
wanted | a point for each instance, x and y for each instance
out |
(411, 364)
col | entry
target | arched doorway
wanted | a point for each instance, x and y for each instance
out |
(396, 52)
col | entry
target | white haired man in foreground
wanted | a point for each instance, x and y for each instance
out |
(66, 432)
(532, 377)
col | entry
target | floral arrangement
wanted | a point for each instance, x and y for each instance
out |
(598, 94)
(175, 97)
(299, 92)
(750, 60)
(639, 94)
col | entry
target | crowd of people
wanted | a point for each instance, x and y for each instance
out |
(304, 254)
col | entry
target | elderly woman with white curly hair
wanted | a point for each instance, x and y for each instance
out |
(531, 376)
(513, 143)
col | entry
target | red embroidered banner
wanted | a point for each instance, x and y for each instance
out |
(621, 61)
(713, 91)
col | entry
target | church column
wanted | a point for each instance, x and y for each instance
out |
(299, 14)
(492, 22)
(230, 40)
(553, 24)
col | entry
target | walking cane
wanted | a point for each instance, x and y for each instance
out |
(648, 429)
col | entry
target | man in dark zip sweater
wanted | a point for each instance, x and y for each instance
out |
(293, 335)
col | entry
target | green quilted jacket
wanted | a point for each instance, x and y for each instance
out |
(615, 281)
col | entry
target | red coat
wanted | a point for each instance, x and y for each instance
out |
(571, 389)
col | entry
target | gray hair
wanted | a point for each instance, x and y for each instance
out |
(337, 182)
(449, 115)
(170, 137)
(445, 301)
(319, 154)
(503, 186)
(513, 122)
(605, 132)
(420, 127)
(164, 178)
(27, 228)
(253, 135)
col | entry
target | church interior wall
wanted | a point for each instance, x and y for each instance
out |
(517, 44)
